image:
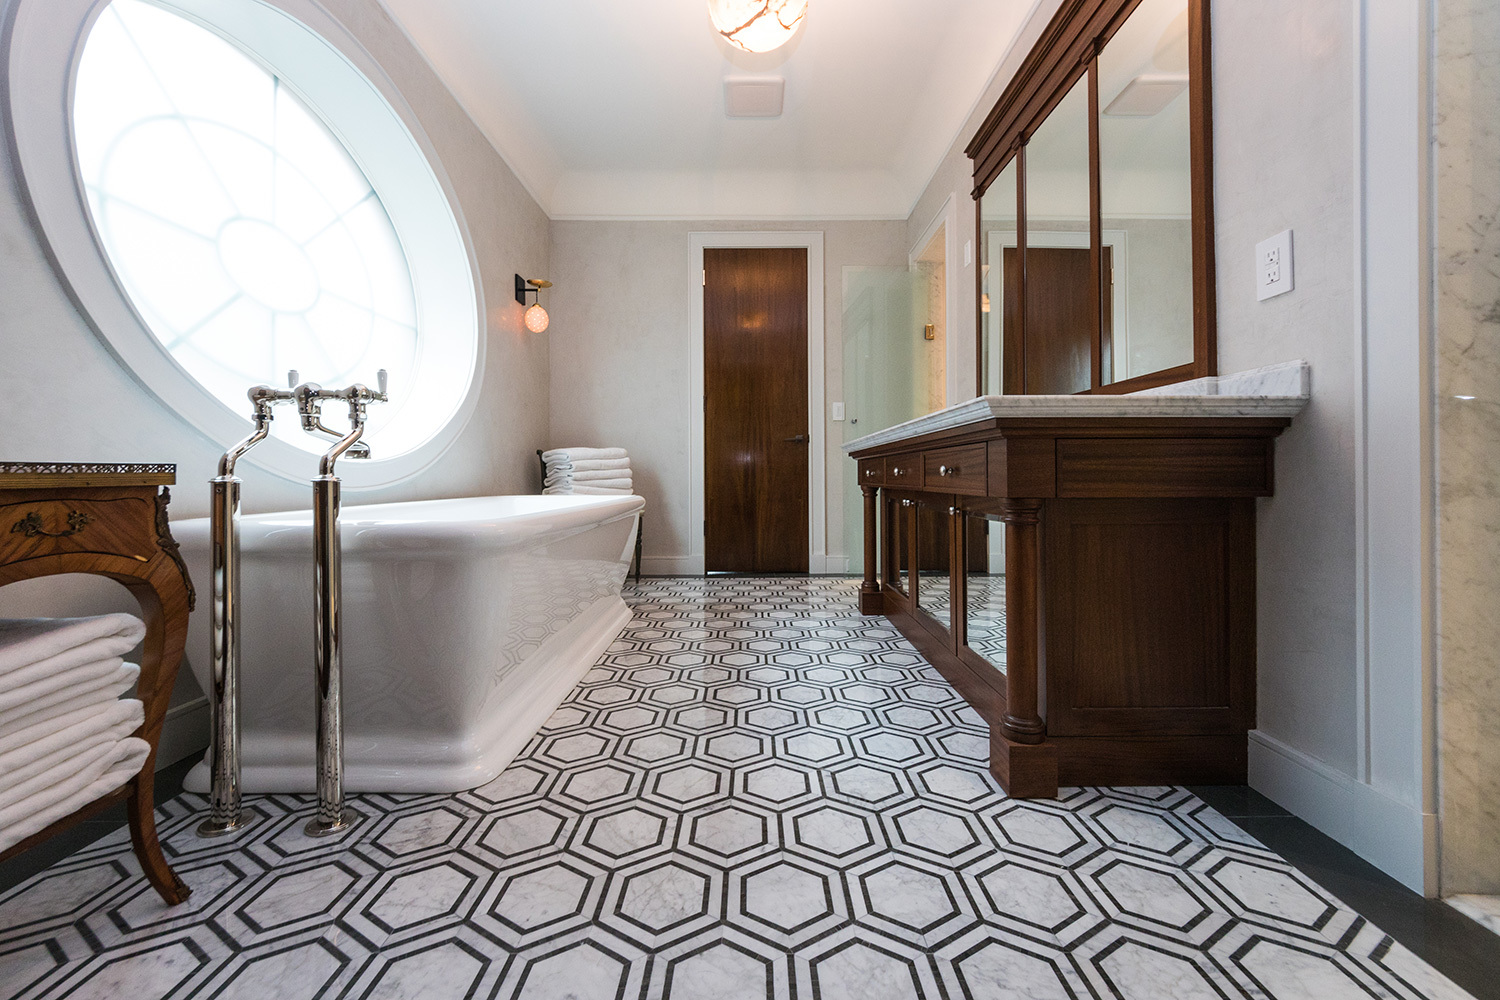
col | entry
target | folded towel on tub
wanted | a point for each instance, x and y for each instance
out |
(602, 476)
(102, 690)
(26, 642)
(45, 799)
(589, 465)
(592, 489)
(577, 454)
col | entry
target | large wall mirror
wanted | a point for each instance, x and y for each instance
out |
(1094, 205)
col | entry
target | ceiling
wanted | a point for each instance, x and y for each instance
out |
(616, 110)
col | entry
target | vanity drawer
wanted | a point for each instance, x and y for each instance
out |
(871, 472)
(956, 470)
(49, 527)
(904, 470)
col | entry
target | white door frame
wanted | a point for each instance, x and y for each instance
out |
(817, 507)
(952, 273)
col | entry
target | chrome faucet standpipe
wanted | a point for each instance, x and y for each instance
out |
(225, 816)
(332, 815)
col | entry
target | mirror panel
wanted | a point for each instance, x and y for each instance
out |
(997, 238)
(898, 516)
(1145, 191)
(1059, 318)
(933, 593)
(984, 585)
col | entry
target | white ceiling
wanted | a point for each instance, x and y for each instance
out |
(609, 109)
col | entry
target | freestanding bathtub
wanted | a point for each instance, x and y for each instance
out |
(466, 623)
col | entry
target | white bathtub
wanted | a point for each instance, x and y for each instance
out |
(466, 623)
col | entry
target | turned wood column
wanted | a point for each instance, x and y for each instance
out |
(869, 592)
(1023, 560)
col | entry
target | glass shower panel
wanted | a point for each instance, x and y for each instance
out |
(885, 376)
(984, 608)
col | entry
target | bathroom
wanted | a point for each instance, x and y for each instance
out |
(562, 155)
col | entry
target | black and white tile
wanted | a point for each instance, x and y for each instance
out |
(756, 793)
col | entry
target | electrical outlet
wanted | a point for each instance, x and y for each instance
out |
(968, 252)
(838, 411)
(1273, 266)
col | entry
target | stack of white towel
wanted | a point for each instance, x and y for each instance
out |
(65, 732)
(599, 471)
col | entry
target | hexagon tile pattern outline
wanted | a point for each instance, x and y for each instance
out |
(756, 793)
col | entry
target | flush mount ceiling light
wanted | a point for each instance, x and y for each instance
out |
(757, 25)
(535, 317)
(1147, 95)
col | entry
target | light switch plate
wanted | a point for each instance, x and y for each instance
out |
(1273, 266)
(968, 252)
(838, 411)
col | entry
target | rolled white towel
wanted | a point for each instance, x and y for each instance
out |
(64, 642)
(70, 788)
(589, 465)
(602, 476)
(45, 747)
(26, 696)
(69, 699)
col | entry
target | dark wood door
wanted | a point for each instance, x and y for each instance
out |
(1057, 339)
(756, 433)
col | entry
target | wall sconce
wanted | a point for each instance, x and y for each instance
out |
(535, 317)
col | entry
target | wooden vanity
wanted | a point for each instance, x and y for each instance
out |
(1127, 650)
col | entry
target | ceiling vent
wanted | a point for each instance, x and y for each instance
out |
(754, 97)
(1147, 95)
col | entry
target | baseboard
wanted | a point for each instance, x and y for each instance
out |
(671, 565)
(1389, 834)
(184, 733)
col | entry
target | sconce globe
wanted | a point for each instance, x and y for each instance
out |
(757, 25)
(536, 318)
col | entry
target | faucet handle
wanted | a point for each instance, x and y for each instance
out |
(292, 378)
(380, 380)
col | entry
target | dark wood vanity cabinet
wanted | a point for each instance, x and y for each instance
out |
(1129, 587)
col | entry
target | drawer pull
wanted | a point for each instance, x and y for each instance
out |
(31, 525)
(895, 472)
(869, 473)
(947, 470)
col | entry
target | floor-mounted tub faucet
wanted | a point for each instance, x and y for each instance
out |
(332, 816)
(224, 813)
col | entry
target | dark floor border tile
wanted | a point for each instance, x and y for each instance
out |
(1450, 942)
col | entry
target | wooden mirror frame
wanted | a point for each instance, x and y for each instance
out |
(1067, 51)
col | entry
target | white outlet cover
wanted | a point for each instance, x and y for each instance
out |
(968, 252)
(1273, 266)
(838, 411)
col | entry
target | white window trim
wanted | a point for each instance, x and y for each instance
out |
(817, 527)
(42, 45)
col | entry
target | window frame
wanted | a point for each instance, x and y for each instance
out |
(43, 45)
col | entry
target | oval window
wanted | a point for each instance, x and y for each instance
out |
(263, 208)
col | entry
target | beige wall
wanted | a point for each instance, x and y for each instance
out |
(620, 365)
(63, 396)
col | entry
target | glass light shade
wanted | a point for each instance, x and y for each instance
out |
(757, 25)
(536, 318)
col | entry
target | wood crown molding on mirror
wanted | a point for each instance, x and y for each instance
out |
(1068, 51)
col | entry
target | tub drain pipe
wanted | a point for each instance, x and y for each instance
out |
(224, 813)
(333, 816)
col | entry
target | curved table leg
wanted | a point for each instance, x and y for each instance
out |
(166, 637)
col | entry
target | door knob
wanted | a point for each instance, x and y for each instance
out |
(800, 438)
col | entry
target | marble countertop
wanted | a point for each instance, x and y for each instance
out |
(1279, 390)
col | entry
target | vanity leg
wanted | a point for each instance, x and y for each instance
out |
(1022, 723)
(870, 602)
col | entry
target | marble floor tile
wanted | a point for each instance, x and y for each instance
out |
(756, 793)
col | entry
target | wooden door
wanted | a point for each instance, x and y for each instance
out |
(1057, 339)
(756, 433)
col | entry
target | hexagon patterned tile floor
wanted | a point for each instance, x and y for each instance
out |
(756, 793)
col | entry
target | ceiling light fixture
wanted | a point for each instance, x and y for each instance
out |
(535, 317)
(757, 25)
